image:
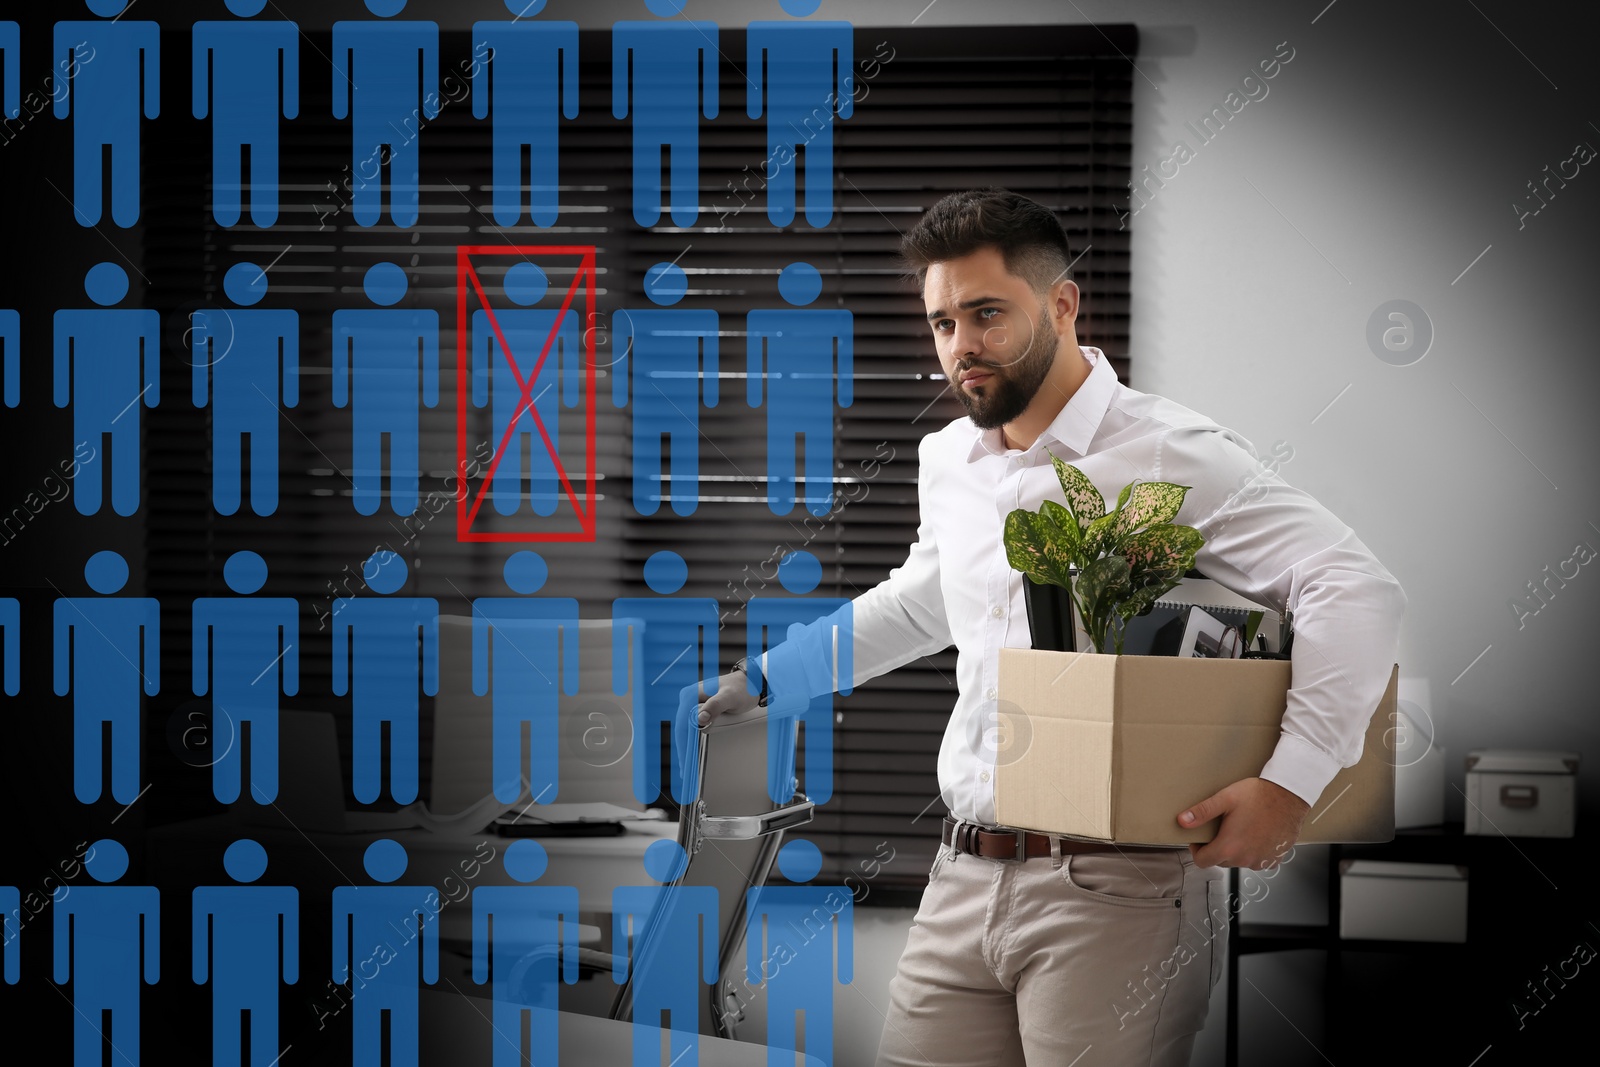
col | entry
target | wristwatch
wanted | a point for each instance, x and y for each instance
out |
(753, 670)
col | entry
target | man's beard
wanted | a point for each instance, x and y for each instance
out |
(1010, 389)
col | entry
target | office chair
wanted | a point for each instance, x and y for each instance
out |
(731, 835)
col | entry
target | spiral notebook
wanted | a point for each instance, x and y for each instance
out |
(1160, 633)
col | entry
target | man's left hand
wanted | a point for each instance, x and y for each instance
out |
(1260, 820)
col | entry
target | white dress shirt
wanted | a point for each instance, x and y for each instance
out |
(1264, 539)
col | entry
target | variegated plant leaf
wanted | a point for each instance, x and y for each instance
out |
(1103, 578)
(1097, 538)
(1140, 601)
(1082, 497)
(1063, 521)
(1024, 542)
(1031, 549)
(1060, 558)
(1122, 497)
(1165, 547)
(1151, 504)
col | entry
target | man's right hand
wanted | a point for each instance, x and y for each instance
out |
(696, 710)
(733, 697)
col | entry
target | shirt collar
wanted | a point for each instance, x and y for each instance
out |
(1074, 428)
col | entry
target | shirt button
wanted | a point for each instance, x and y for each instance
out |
(991, 694)
(984, 776)
(997, 612)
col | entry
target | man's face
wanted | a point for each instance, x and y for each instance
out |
(995, 336)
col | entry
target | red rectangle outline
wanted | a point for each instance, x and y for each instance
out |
(465, 275)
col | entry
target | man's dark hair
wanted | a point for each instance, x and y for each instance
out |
(1028, 235)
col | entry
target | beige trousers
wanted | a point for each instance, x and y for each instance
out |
(1102, 959)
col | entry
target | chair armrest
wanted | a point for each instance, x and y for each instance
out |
(749, 827)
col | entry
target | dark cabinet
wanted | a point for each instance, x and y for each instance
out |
(1524, 984)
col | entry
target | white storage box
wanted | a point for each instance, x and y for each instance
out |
(1381, 900)
(1521, 793)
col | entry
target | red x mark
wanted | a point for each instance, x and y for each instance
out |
(584, 277)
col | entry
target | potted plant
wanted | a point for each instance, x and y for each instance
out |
(1108, 566)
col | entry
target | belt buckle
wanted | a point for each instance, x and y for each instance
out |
(965, 839)
(1021, 837)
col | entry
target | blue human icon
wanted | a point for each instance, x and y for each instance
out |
(10, 641)
(380, 646)
(545, 364)
(387, 923)
(674, 931)
(246, 937)
(112, 66)
(246, 362)
(673, 63)
(10, 57)
(678, 647)
(246, 649)
(11, 354)
(770, 619)
(238, 85)
(11, 929)
(107, 648)
(386, 81)
(800, 353)
(107, 361)
(674, 364)
(525, 645)
(807, 75)
(100, 931)
(524, 91)
(377, 372)
(518, 932)
(800, 981)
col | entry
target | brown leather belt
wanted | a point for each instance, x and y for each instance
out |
(1024, 844)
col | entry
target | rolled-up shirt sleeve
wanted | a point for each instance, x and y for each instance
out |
(900, 619)
(1275, 544)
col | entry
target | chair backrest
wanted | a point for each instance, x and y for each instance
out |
(731, 834)
(593, 723)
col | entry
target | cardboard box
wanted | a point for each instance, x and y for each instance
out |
(1111, 748)
(1521, 793)
(1384, 901)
